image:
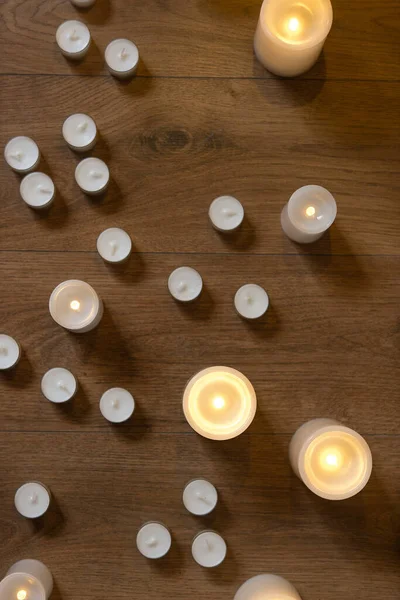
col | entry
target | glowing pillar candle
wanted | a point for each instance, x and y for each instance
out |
(76, 306)
(27, 580)
(310, 212)
(267, 587)
(219, 403)
(332, 460)
(291, 33)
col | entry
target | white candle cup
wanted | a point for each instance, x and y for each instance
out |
(122, 58)
(251, 301)
(27, 579)
(185, 284)
(80, 132)
(83, 3)
(73, 39)
(209, 549)
(332, 460)
(310, 212)
(219, 403)
(37, 190)
(75, 305)
(226, 214)
(92, 176)
(267, 587)
(117, 405)
(22, 154)
(290, 34)
(114, 245)
(153, 540)
(58, 385)
(200, 497)
(32, 500)
(10, 352)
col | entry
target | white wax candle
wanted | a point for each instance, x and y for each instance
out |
(83, 3)
(122, 58)
(208, 549)
(267, 587)
(10, 352)
(117, 405)
(332, 460)
(310, 212)
(153, 540)
(226, 213)
(251, 301)
(219, 403)
(73, 39)
(32, 500)
(92, 175)
(37, 190)
(290, 34)
(75, 306)
(22, 154)
(185, 284)
(200, 497)
(58, 385)
(27, 579)
(114, 245)
(80, 132)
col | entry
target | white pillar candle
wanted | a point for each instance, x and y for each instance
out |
(332, 460)
(27, 579)
(310, 212)
(209, 549)
(153, 540)
(267, 587)
(122, 58)
(92, 175)
(290, 34)
(75, 305)
(117, 405)
(10, 352)
(22, 154)
(200, 497)
(58, 385)
(32, 500)
(73, 39)
(83, 3)
(251, 301)
(185, 284)
(114, 245)
(226, 213)
(219, 403)
(80, 132)
(37, 190)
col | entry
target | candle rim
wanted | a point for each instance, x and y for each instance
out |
(29, 575)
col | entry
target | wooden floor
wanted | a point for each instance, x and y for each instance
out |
(203, 119)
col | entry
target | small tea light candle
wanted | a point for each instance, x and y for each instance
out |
(332, 460)
(290, 34)
(200, 497)
(267, 587)
(10, 352)
(73, 39)
(122, 58)
(27, 580)
(32, 500)
(226, 213)
(219, 403)
(185, 284)
(114, 245)
(22, 154)
(75, 306)
(92, 175)
(37, 190)
(83, 3)
(153, 540)
(209, 549)
(117, 405)
(58, 385)
(80, 132)
(251, 301)
(310, 212)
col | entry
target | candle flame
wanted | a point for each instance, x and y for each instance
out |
(293, 24)
(310, 211)
(21, 595)
(75, 305)
(218, 402)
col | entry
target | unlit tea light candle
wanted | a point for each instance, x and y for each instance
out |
(73, 39)
(10, 352)
(267, 587)
(117, 405)
(32, 500)
(37, 190)
(185, 284)
(122, 58)
(80, 132)
(114, 245)
(251, 301)
(200, 497)
(27, 579)
(75, 305)
(22, 154)
(153, 540)
(226, 213)
(208, 549)
(58, 385)
(310, 212)
(92, 175)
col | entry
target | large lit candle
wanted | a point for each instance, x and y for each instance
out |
(310, 212)
(267, 587)
(291, 33)
(27, 580)
(76, 306)
(219, 403)
(332, 460)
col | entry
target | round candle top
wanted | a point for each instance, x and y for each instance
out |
(209, 549)
(122, 55)
(22, 153)
(74, 304)
(32, 500)
(117, 405)
(92, 175)
(153, 540)
(226, 213)
(79, 131)
(114, 245)
(251, 301)
(58, 385)
(37, 190)
(312, 209)
(185, 284)
(21, 586)
(9, 352)
(219, 403)
(267, 587)
(200, 497)
(73, 37)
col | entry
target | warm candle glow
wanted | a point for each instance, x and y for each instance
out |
(22, 595)
(218, 402)
(310, 211)
(293, 24)
(75, 305)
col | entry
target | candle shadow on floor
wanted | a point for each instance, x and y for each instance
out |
(218, 519)
(51, 523)
(56, 593)
(241, 239)
(172, 564)
(267, 326)
(19, 376)
(134, 428)
(110, 202)
(98, 14)
(91, 64)
(200, 309)
(75, 409)
(227, 572)
(131, 271)
(139, 84)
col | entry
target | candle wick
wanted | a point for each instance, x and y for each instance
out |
(114, 247)
(95, 174)
(208, 545)
(44, 190)
(151, 542)
(74, 36)
(182, 286)
(249, 299)
(123, 54)
(200, 496)
(82, 126)
(115, 403)
(33, 498)
(228, 212)
(62, 386)
(3, 350)
(17, 155)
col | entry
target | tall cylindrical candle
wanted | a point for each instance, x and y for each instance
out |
(76, 306)
(267, 587)
(27, 579)
(310, 212)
